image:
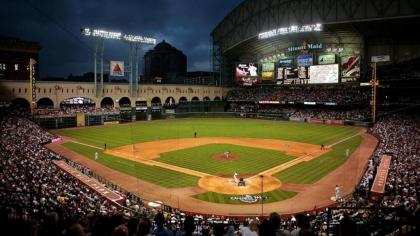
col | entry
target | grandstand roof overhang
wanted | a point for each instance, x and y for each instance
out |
(243, 24)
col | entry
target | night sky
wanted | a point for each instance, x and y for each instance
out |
(186, 24)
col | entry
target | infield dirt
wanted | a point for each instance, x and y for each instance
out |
(148, 151)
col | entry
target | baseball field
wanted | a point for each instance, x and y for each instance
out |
(196, 159)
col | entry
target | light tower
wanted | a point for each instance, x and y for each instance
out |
(135, 43)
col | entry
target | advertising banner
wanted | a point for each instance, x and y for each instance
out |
(268, 66)
(267, 75)
(80, 119)
(383, 58)
(350, 66)
(117, 68)
(315, 121)
(305, 60)
(286, 62)
(378, 186)
(326, 59)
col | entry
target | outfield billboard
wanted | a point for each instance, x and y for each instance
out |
(305, 60)
(326, 59)
(350, 66)
(117, 68)
(267, 71)
(268, 66)
(323, 74)
(285, 62)
(267, 75)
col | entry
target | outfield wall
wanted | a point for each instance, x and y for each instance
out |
(68, 121)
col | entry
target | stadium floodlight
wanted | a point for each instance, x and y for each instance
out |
(290, 30)
(99, 33)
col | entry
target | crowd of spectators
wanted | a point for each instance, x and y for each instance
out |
(400, 138)
(300, 94)
(33, 189)
(242, 107)
(352, 114)
(359, 114)
(69, 110)
(406, 70)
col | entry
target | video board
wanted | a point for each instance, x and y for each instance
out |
(246, 74)
(323, 74)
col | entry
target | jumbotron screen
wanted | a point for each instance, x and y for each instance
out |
(323, 74)
(247, 74)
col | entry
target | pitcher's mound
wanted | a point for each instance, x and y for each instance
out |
(223, 157)
(224, 185)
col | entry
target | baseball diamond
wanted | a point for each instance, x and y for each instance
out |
(183, 168)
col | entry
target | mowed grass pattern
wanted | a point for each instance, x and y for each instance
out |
(311, 171)
(272, 196)
(119, 135)
(251, 161)
(157, 175)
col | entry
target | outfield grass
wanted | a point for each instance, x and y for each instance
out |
(119, 135)
(313, 170)
(272, 196)
(157, 175)
(251, 161)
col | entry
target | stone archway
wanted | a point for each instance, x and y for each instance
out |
(21, 104)
(124, 102)
(156, 101)
(44, 103)
(182, 100)
(107, 102)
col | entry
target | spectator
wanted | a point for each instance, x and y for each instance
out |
(144, 227)
(160, 229)
(276, 222)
